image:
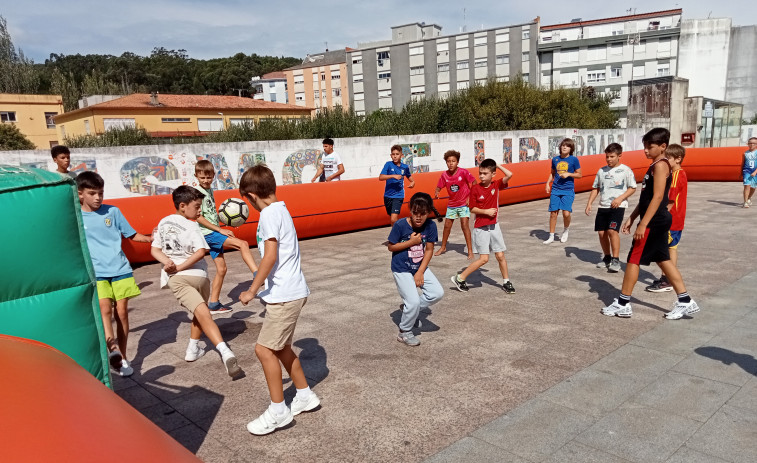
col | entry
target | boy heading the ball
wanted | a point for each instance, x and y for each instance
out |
(217, 238)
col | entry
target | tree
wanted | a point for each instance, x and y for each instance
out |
(12, 139)
(17, 73)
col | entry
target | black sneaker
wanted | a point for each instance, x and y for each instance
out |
(508, 287)
(460, 285)
(217, 308)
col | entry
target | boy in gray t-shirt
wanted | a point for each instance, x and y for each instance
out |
(614, 184)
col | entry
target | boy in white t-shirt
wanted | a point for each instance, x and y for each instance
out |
(614, 184)
(330, 166)
(285, 294)
(179, 245)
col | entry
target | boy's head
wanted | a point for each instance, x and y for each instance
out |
(396, 154)
(421, 206)
(90, 186)
(187, 201)
(567, 147)
(752, 143)
(452, 158)
(676, 153)
(257, 183)
(656, 142)
(328, 145)
(62, 157)
(205, 173)
(486, 171)
(613, 153)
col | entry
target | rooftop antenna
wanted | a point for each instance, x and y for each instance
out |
(327, 45)
(465, 26)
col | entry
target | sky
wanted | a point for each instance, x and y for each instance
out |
(222, 28)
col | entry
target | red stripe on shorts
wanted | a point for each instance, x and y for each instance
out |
(638, 249)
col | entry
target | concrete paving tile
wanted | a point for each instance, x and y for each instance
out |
(592, 392)
(573, 452)
(688, 455)
(639, 434)
(729, 435)
(718, 364)
(471, 449)
(688, 396)
(673, 338)
(165, 416)
(197, 441)
(138, 397)
(746, 397)
(637, 362)
(534, 430)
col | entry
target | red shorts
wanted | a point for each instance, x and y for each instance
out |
(652, 248)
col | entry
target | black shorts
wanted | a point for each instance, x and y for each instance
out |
(609, 218)
(652, 248)
(392, 205)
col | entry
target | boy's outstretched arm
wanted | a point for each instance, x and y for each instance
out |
(412, 182)
(271, 252)
(415, 238)
(508, 176)
(140, 238)
(207, 224)
(160, 256)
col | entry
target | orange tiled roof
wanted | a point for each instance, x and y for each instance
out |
(275, 75)
(612, 20)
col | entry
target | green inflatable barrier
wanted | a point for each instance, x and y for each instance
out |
(47, 283)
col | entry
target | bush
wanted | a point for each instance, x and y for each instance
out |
(12, 139)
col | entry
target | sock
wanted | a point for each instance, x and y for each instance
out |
(684, 298)
(607, 258)
(551, 235)
(623, 299)
(505, 280)
(565, 230)
(278, 409)
(193, 342)
(304, 393)
(460, 280)
(615, 259)
(222, 348)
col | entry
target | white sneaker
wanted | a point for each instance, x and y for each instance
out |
(749, 201)
(615, 309)
(268, 422)
(682, 308)
(564, 237)
(231, 364)
(305, 405)
(550, 239)
(126, 369)
(193, 354)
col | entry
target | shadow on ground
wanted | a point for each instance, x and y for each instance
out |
(747, 362)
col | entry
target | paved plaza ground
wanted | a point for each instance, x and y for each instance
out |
(539, 375)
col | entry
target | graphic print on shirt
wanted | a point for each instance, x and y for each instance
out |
(561, 167)
(108, 223)
(169, 236)
(415, 252)
(454, 188)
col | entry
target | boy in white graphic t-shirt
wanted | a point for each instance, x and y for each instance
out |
(330, 166)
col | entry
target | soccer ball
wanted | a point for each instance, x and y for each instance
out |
(233, 212)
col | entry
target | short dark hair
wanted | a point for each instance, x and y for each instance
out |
(571, 144)
(185, 194)
(89, 179)
(328, 141)
(452, 154)
(614, 148)
(656, 136)
(489, 164)
(257, 180)
(393, 148)
(204, 166)
(59, 149)
(676, 151)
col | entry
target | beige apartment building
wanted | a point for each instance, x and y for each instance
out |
(320, 81)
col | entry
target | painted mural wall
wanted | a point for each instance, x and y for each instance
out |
(157, 170)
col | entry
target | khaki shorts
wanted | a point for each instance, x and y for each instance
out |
(190, 291)
(279, 323)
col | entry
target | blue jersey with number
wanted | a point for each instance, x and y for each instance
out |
(750, 162)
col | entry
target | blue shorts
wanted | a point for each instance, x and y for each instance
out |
(215, 240)
(561, 202)
(674, 237)
(393, 205)
(461, 212)
(750, 181)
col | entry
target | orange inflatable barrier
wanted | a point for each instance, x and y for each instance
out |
(336, 207)
(54, 410)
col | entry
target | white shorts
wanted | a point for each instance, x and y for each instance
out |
(488, 239)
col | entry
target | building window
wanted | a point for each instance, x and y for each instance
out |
(569, 55)
(335, 76)
(316, 93)
(359, 96)
(640, 47)
(504, 37)
(525, 76)
(419, 90)
(299, 97)
(596, 53)
(336, 92)
(384, 75)
(479, 41)
(416, 51)
(638, 71)
(381, 56)
(174, 119)
(50, 120)
(663, 47)
(462, 65)
(357, 60)
(357, 78)
(442, 67)
(526, 34)
(416, 70)
(384, 93)
(443, 87)
(616, 72)
(299, 80)
(502, 59)
(442, 46)
(503, 79)
(54, 143)
(323, 76)
(315, 77)
(209, 125)
(525, 56)
(616, 48)
(7, 116)
(120, 123)
(663, 69)
(242, 121)
(461, 41)
(480, 63)
(568, 79)
(463, 84)
(595, 76)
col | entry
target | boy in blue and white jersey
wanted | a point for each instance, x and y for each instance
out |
(749, 171)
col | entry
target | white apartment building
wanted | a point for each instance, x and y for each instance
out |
(271, 87)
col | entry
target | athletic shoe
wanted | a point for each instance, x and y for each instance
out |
(550, 239)
(114, 358)
(305, 405)
(461, 285)
(268, 422)
(746, 205)
(125, 369)
(659, 286)
(231, 364)
(564, 237)
(508, 287)
(604, 263)
(408, 338)
(217, 307)
(614, 266)
(615, 309)
(749, 201)
(682, 308)
(193, 354)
